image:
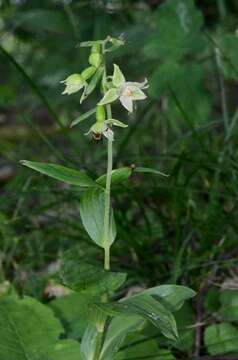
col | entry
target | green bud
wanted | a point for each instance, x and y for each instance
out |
(73, 83)
(87, 73)
(100, 113)
(95, 59)
(96, 48)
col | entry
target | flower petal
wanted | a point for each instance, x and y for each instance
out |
(110, 96)
(138, 94)
(127, 102)
(109, 134)
(142, 85)
(116, 123)
(118, 78)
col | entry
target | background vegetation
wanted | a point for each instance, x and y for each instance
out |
(181, 229)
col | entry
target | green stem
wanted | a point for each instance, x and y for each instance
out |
(108, 199)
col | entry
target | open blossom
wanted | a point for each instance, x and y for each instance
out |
(125, 91)
(74, 83)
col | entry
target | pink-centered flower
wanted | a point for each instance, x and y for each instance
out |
(125, 91)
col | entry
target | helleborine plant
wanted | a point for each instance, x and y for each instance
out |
(105, 322)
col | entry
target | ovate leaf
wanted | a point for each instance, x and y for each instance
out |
(176, 31)
(64, 350)
(62, 173)
(92, 214)
(185, 319)
(136, 345)
(151, 310)
(229, 308)
(73, 312)
(28, 329)
(82, 276)
(172, 296)
(221, 338)
(228, 49)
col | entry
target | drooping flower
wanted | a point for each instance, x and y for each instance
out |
(100, 128)
(125, 91)
(104, 128)
(74, 83)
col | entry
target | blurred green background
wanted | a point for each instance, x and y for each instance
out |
(181, 229)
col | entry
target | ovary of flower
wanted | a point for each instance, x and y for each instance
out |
(125, 91)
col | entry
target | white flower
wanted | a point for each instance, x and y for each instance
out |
(74, 83)
(125, 91)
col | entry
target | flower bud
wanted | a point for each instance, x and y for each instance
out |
(95, 59)
(87, 73)
(73, 83)
(100, 113)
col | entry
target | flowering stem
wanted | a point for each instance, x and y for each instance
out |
(108, 198)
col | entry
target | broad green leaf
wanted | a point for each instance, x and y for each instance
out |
(212, 301)
(28, 329)
(173, 80)
(110, 96)
(92, 214)
(82, 276)
(172, 296)
(229, 308)
(150, 309)
(62, 173)
(117, 330)
(228, 52)
(92, 84)
(185, 318)
(64, 350)
(221, 339)
(73, 312)
(118, 78)
(118, 176)
(176, 32)
(136, 345)
(83, 117)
